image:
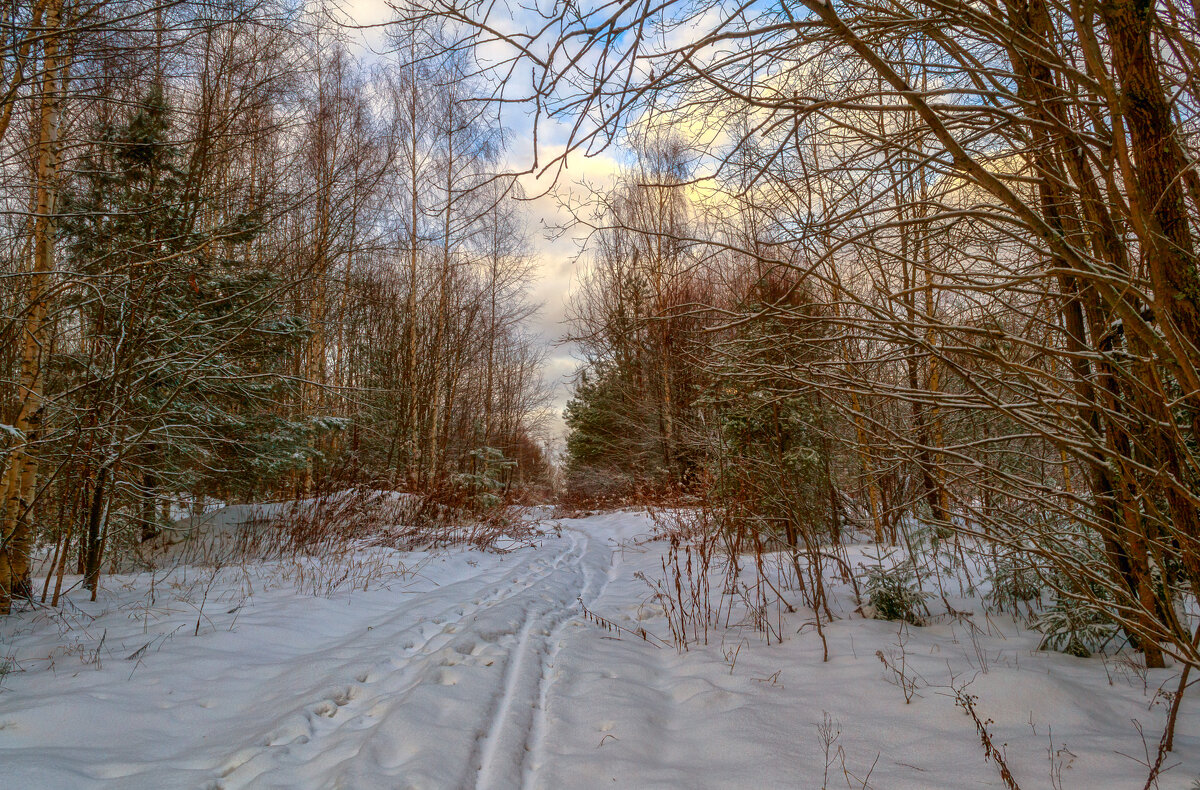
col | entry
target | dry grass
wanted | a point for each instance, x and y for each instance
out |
(347, 540)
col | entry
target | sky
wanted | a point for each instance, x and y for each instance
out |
(556, 253)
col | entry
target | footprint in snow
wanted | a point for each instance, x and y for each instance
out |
(287, 735)
(346, 696)
(237, 761)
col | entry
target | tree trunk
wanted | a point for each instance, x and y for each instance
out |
(91, 568)
(149, 500)
(22, 471)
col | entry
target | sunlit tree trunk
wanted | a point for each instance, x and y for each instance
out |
(22, 467)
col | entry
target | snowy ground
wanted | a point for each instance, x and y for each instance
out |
(476, 670)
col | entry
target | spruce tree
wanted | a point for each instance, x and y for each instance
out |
(186, 338)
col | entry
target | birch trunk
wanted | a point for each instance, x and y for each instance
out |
(23, 462)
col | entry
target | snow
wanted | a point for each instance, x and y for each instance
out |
(476, 669)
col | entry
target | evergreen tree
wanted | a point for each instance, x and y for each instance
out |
(185, 337)
(612, 440)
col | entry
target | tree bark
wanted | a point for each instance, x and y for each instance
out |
(16, 536)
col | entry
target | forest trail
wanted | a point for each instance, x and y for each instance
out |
(478, 671)
(455, 681)
(439, 681)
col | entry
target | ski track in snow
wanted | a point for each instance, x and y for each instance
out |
(480, 674)
(513, 734)
(544, 591)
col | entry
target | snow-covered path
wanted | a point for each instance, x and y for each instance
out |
(438, 681)
(477, 671)
(441, 693)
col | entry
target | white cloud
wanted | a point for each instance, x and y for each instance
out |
(554, 240)
(557, 243)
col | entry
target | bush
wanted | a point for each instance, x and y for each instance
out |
(893, 593)
(1077, 622)
(1074, 627)
(1014, 580)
